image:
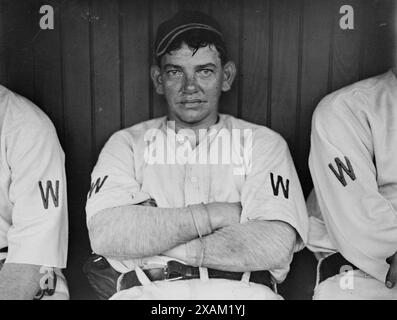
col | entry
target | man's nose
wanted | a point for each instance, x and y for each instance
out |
(190, 84)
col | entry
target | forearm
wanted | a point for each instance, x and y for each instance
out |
(252, 246)
(138, 231)
(19, 281)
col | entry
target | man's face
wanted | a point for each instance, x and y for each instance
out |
(192, 84)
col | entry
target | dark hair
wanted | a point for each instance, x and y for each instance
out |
(196, 39)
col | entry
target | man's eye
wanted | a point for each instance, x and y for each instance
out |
(206, 72)
(174, 73)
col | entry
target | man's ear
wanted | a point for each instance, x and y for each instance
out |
(229, 73)
(155, 74)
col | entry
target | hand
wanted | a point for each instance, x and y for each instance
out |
(223, 214)
(178, 252)
(189, 252)
(149, 203)
(391, 277)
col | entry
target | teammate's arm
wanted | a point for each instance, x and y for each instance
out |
(19, 281)
(250, 246)
(361, 222)
(38, 235)
(136, 231)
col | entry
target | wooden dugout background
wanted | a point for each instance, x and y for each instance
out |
(91, 74)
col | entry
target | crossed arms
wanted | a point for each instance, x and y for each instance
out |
(136, 231)
(261, 233)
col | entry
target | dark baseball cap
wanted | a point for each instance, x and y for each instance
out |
(181, 22)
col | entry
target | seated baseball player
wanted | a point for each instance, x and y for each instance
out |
(33, 209)
(353, 212)
(194, 194)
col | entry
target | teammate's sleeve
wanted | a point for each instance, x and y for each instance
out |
(113, 180)
(360, 221)
(39, 229)
(272, 190)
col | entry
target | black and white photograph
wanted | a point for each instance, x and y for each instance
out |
(219, 151)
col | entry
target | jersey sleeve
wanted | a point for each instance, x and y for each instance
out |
(39, 231)
(272, 189)
(361, 223)
(113, 180)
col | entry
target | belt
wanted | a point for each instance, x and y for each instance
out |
(179, 271)
(332, 265)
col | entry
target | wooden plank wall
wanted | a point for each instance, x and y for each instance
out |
(91, 73)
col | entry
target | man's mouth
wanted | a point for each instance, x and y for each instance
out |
(192, 102)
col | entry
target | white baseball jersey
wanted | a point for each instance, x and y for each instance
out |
(265, 183)
(353, 162)
(33, 208)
